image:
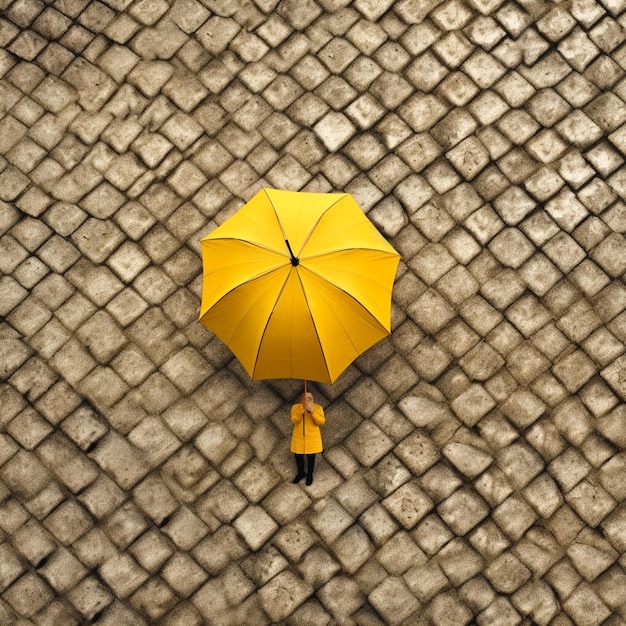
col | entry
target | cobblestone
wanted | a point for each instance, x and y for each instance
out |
(585, 606)
(472, 470)
(393, 601)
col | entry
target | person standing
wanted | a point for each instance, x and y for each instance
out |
(306, 440)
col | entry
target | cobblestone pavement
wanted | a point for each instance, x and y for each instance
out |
(474, 469)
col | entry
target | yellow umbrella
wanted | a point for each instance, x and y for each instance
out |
(297, 284)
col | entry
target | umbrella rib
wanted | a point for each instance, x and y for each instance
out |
(332, 252)
(282, 230)
(267, 323)
(316, 255)
(319, 341)
(319, 219)
(256, 244)
(292, 256)
(349, 295)
(280, 225)
(270, 317)
(239, 285)
(340, 322)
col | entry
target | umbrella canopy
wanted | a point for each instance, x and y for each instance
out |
(297, 284)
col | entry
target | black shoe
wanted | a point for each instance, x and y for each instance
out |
(298, 478)
(309, 480)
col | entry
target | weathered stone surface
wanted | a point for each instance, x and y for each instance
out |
(418, 452)
(468, 459)
(507, 574)
(473, 404)
(472, 470)
(591, 502)
(283, 594)
(462, 511)
(393, 600)
(353, 549)
(586, 607)
(408, 504)
(255, 526)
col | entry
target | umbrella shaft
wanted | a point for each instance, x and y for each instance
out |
(294, 260)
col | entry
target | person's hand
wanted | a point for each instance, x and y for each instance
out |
(307, 402)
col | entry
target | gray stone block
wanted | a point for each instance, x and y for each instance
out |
(115, 455)
(514, 517)
(12, 568)
(473, 404)
(425, 581)
(460, 562)
(448, 608)
(69, 522)
(408, 504)
(585, 606)
(29, 428)
(399, 554)
(507, 573)
(185, 529)
(468, 459)
(355, 495)
(341, 596)
(393, 600)
(462, 510)
(352, 549)
(255, 526)
(501, 611)
(24, 474)
(543, 495)
(28, 595)
(283, 594)
(102, 497)
(183, 574)
(63, 571)
(591, 502)
(519, 463)
(216, 551)
(378, 523)
(418, 452)
(591, 560)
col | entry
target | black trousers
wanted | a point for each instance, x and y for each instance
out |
(310, 465)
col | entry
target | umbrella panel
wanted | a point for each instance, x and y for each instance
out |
(289, 323)
(230, 263)
(291, 345)
(363, 274)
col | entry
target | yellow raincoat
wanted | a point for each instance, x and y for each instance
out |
(306, 438)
